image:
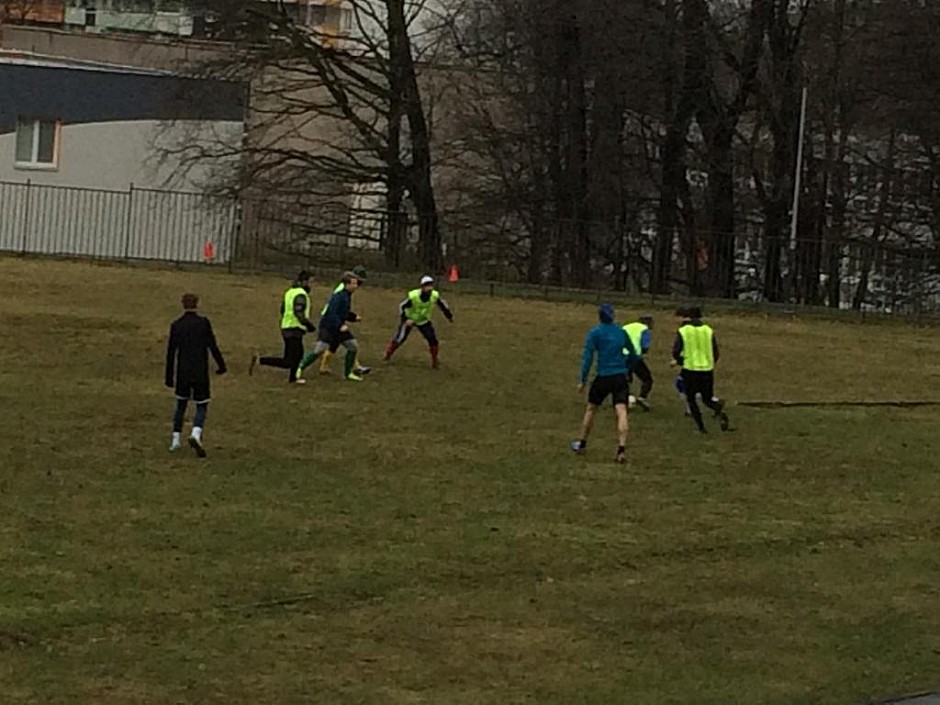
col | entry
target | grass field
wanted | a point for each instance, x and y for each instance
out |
(424, 537)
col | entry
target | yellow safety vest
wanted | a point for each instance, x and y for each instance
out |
(288, 319)
(698, 354)
(635, 331)
(339, 288)
(420, 311)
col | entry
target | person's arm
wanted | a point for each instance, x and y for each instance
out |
(677, 349)
(587, 358)
(172, 345)
(300, 311)
(646, 341)
(715, 350)
(404, 306)
(445, 309)
(214, 349)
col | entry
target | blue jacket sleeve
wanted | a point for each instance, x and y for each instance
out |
(646, 341)
(587, 358)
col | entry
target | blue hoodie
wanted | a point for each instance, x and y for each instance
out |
(614, 350)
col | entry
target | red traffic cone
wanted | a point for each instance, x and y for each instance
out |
(208, 252)
(454, 274)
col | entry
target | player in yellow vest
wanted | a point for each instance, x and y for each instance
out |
(327, 357)
(696, 351)
(295, 322)
(416, 312)
(640, 333)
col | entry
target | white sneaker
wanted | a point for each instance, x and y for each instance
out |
(175, 443)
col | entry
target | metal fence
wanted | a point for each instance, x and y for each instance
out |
(137, 224)
(180, 227)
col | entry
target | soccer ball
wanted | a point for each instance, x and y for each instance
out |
(631, 401)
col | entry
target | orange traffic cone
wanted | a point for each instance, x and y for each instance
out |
(454, 275)
(208, 252)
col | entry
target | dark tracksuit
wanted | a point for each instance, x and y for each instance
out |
(337, 314)
(190, 341)
(293, 338)
(698, 382)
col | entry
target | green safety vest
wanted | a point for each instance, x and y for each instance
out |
(698, 355)
(635, 332)
(339, 288)
(288, 319)
(420, 311)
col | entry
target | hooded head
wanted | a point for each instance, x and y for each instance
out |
(605, 312)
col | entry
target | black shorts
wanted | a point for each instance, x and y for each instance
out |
(339, 339)
(699, 383)
(196, 390)
(615, 386)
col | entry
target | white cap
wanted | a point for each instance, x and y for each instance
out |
(427, 280)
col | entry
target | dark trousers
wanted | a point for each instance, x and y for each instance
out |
(642, 373)
(426, 329)
(293, 354)
(179, 415)
(700, 383)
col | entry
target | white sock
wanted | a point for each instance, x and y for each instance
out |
(176, 439)
(197, 433)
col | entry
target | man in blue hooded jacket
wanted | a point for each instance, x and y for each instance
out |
(616, 357)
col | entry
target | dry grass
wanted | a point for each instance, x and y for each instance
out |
(424, 538)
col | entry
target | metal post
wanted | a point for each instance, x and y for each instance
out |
(26, 215)
(127, 222)
(798, 176)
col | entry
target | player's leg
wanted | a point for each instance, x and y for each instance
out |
(620, 394)
(401, 335)
(693, 387)
(596, 395)
(179, 416)
(645, 376)
(201, 397)
(327, 358)
(278, 362)
(623, 428)
(430, 335)
(712, 402)
(352, 353)
(293, 354)
(321, 346)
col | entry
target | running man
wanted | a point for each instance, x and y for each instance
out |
(334, 330)
(416, 312)
(327, 357)
(295, 323)
(640, 333)
(187, 370)
(616, 357)
(695, 350)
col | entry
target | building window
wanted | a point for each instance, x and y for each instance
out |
(37, 143)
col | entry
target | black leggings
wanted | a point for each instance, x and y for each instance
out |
(700, 383)
(642, 373)
(293, 354)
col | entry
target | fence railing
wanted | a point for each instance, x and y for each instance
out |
(180, 227)
(136, 224)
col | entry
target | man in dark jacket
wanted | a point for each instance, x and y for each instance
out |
(696, 352)
(187, 370)
(334, 329)
(295, 323)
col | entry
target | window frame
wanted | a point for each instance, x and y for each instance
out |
(36, 126)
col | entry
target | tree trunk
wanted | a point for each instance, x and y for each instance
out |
(420, 183)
